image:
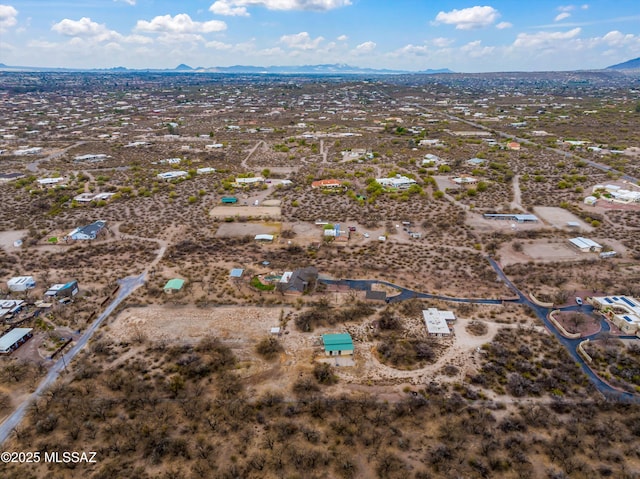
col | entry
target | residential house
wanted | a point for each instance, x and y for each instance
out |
(172, 175)
(88, 232)
(437, 321)
(400, 182)
(300, 281)
(326, 184)
(623, 311)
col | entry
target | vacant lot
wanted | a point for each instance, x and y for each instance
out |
(221, 212)
(559, 217)
(229, 230)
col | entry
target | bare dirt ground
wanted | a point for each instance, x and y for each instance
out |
(229, 230)
(242, 327)
(481, 224)
(549, 251)
(8, 237)
(559, 217)
(222, 212)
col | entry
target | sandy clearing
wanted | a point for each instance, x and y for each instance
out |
(559, 217)
(8, 237)
(189, 324)
(228, 230)
(222, 212)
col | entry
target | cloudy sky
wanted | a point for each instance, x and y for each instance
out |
(499, 35)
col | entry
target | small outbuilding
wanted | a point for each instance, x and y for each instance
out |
(14, 339)
(338, 344)
(264, 237)
(173, 285)
(236, 273)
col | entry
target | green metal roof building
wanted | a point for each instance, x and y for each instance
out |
(337, 344)
(175, 284)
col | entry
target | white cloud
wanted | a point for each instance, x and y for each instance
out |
(618, 39)
(239, 7)
(420, 50)
(342, 38)
(365, 47)
(86, 28)
(469, 18)
(171, 38)
(442, 42)
(226, 8)
(566, 8)
(503, 25)
(475, 49)
(585, 6)
(301, 41)
(180, 24)
(8, 16)
(561, 16)
(130, 2)
(544, 39)
(216, 45)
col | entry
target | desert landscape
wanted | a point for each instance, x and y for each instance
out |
(178, 264)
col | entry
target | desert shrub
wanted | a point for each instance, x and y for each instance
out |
(269, 347)
(323, 373)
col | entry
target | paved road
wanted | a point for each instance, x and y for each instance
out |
(404, 293)
(33, 166)
(541, 312)
(127, 286)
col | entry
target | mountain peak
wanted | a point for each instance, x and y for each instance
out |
(183, 67)
(628, 65)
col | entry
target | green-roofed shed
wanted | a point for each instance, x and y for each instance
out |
(337, 344)
(172, 285)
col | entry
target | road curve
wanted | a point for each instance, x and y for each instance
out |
(541, 312)
(127, 286)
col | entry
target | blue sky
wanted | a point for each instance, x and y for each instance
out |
(465, 36)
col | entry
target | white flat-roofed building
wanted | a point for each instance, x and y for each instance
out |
(21, 283)
(400, 182)
(172, 175)
(205, 171)
(585, 245)
(436, 325)
(43, 182)
(249, 181)
(28, 151)
(623, 311)
(437, 321)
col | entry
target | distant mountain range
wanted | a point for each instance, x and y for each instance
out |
(628, 65)
(325, 69)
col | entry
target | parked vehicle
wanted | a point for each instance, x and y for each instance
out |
(578, 300)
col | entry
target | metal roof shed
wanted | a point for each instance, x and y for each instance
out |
(337, 344)
(13, 339)
(175, 284)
